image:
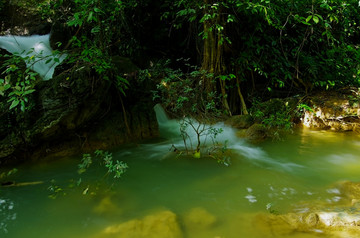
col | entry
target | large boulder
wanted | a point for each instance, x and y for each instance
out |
(256, 132)
(336, 110)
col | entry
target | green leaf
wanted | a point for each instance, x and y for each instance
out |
(96, 29)
(22, 106)
(308, 18)
(316, 19)
(90, 17)
(29, 92)
(14, 104)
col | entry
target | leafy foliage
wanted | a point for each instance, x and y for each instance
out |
(276, 115)
(263, 48)
(97, 31)
(17, 82)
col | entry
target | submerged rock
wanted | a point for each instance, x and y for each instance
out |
(350, 190)
(105, 206)
(338, 220)
(199, 218)
(162, 224)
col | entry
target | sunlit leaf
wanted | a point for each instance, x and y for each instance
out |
(316, 19)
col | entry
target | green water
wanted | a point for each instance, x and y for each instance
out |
(300, 168)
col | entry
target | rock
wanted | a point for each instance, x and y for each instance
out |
(312, 220)
(21, 18)
(350, 190)
(199, 218)
(240, 121)
(73, 115)
(162, 224)
(256, 133)
(106, 206)
(339, 219)
(277, 225)
(324, 223)
(339, 111)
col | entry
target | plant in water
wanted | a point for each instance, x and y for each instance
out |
(270, 209)
(55, 190)
(116, 168)
(185, 97)
(6, 174)
(4, 177)
(86, 161)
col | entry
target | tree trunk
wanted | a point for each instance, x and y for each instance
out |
(242, 101)
(213, 55)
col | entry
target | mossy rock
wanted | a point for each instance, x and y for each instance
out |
(257, 133)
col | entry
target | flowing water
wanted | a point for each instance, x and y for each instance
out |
(36, 51)
(274, 174)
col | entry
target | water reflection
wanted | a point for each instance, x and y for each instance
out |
(7, 214)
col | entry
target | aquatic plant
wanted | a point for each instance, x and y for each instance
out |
(269, 208)
(55, 190)
(195, 110)
(6, 174)
(117, 167)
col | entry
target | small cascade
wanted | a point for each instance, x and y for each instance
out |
(161, 115)
(170, 130)
(36, 52)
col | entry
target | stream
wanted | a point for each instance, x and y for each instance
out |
(273, 175)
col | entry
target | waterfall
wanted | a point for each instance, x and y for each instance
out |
(36, 52)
